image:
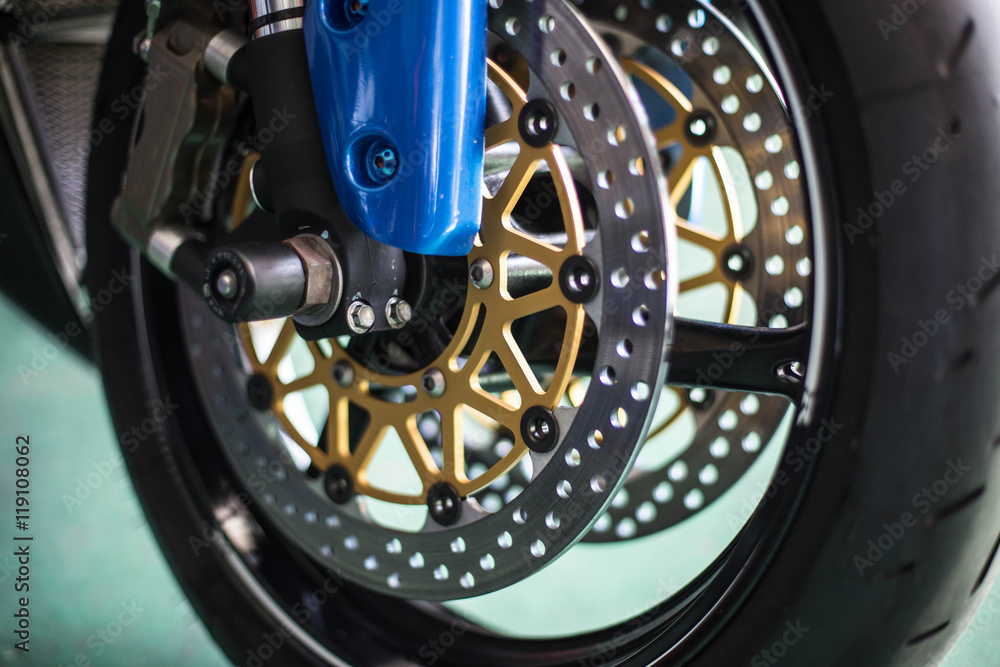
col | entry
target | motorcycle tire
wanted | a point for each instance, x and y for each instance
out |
(892, 526)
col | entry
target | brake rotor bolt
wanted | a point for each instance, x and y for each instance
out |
(539, 429)
(538, 123)
(481, 274)
(737, 262)
(360, 317)
(433, 382)
(701, 128)
(701, 398)
(398, 312)
(343, 374)
(444, 503)
(259, 392)
(578, 279)
(226, 284)
(338, 485)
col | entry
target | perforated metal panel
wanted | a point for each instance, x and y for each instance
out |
(59, 81)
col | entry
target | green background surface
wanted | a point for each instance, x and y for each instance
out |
(94, 556)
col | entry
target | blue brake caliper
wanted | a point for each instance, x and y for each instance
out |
(400, 86)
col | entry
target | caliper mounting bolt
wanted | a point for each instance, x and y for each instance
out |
(360, 317)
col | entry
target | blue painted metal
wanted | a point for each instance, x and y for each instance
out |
(403, 80)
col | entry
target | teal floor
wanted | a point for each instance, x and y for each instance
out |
(93, 556)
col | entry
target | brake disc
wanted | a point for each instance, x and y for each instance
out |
(723, 134)
(377, 487)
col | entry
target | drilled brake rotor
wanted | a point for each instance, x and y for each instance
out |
(728, 150)
(379, 488)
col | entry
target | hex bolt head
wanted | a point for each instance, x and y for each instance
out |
(398, 312)
(444, 503)
(433, 382)
(343, 373)
(360, 317)
(338, 484)
(481, 274)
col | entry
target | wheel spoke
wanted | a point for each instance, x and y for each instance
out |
(682, 174)
(453, 445)
(693, 234)
(281, 345)
(498, 207)
(736, 358)
(705, 279)
(416, 449)
(669, 135)
(521, 375)
(531, 247)
(501, 133)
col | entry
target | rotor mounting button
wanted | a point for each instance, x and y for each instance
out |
(538, 123)
(539, 429)
(701, 398)
(481, 274)
(578, 279)
(343, 373)
(701, 127)
(433, 382)
(444, 503)
(737, 262)
(259, 392)
(338, 485)
(360, 317)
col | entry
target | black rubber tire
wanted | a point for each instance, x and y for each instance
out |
(897, 432)
(895, 91)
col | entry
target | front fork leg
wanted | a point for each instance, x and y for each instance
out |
(323, 273)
